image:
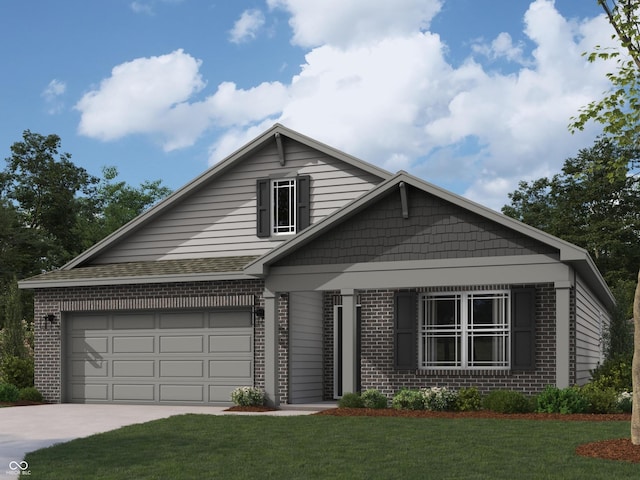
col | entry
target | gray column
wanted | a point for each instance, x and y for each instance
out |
(563, 312)
(271, 348)
(349, 337)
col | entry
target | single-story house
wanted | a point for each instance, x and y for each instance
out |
(298, 268)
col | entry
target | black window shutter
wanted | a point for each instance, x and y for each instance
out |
(523, 329)
(263, 214)
(405, 341)
(304, 200)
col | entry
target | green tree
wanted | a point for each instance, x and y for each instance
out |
(619, 113)
(44, 186)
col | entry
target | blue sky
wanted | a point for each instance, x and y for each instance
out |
(472, 95)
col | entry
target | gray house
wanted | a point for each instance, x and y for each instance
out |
(300, 269)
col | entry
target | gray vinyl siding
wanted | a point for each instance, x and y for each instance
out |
(220, 218)
(305, 349)
(592, 321)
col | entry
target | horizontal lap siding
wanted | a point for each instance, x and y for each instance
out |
(220, 219)
(592, 321)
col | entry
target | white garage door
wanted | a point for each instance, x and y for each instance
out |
(158, 357)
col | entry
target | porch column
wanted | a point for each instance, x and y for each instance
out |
(271, 348)
(349, 339)
(563, 315)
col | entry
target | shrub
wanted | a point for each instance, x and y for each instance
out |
(351, 400)
(614, 373)
(374, 399)
(438, 398)
(469, 399)
(600, 400)
(248, 397)
(408, 400)
(17, 371)
(9, 393)
(625, 401)
(566, 400)
(507, 401)
(30, 394)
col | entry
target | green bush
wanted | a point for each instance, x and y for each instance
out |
(600, 400)
(372, 398)
(507, 401)
(614, 373)
(469, 400)
(30, 394)
(565, 400)
(9, 393)
(408, 400)
(438, 398)
(17, 371)
(248, 397)
(351, 400)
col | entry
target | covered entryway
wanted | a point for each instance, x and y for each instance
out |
(185, 357)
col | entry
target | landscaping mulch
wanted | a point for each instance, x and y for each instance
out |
(619, 449)
(238, 408)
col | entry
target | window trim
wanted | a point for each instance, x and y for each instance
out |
(463, 331)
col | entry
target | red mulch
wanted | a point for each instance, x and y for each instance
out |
(21, 403)
(620, 449)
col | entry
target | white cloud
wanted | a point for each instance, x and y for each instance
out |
(247, 26)
(55, 89)
(141, 7)
(343, 23)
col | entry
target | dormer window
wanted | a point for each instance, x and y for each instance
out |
(282, 205)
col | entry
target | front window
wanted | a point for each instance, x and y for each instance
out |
(283, 206)
(465, 330)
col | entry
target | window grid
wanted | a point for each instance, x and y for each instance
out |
(465, 330)
(284, 206)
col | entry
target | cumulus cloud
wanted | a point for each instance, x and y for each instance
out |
(376, 82)
(52, 94)
(247, 26)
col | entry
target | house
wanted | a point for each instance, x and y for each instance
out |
(295, 267)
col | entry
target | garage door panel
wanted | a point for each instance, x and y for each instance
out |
(158, 357)
(136, 393)
(133, 368)
(230, 343)
(230, 369)
(89, 368)
(133, 344)
(181, 320)
(95, 391)
(181, 368)
(134, 322)
(191, 344)
(181, 393)
(90, 344)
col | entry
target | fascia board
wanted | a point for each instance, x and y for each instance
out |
(91, 282)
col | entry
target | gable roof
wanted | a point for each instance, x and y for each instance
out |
(568, 252)
(224, 165)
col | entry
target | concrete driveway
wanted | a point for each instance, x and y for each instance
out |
(25, 429)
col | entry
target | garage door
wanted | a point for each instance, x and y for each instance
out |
(158, 357)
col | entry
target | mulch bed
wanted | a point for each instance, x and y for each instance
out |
(619, 449)
(238, 408)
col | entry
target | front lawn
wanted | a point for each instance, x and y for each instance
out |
(307, 447)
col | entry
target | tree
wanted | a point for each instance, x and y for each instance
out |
(593, 203)
(619, 113)
(44, 187)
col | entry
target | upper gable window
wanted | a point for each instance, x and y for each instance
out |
(282, 205)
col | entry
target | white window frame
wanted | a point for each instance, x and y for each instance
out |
(289, 226)
(464, 331)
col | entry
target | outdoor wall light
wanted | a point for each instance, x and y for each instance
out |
(48, 318)
(259, 312)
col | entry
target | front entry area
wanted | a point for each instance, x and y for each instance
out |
(158, 357)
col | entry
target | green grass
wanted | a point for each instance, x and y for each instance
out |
(307, 447)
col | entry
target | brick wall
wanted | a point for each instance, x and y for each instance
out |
(377, 350)
(59, 301)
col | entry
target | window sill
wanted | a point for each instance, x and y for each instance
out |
(463, 372)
